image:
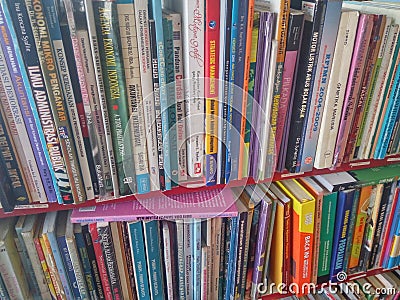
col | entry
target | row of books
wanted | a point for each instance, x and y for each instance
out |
(379, 286)
(220, 244)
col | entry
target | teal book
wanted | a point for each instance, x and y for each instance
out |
(153, 256)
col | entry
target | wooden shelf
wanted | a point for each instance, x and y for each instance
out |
(199, 186)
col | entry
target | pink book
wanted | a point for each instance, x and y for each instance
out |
(354, 81)
(204, 204)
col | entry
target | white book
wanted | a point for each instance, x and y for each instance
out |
(336, 89)
(130, 54)
(192, 13)
(167, 260)
(17, 130)
(142, 28)
(204, 270)
(188, 258)
(101, 92)
(11, 269)
(180, 258)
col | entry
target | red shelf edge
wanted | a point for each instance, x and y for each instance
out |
(361, 164)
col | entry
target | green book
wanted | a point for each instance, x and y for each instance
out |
(329, 203)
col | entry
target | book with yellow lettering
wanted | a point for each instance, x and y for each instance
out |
(303, 214)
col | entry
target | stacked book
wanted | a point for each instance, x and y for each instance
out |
(220, 244)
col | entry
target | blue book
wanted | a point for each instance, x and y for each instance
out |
(154, 266)
(195, 225)
(155, 13)
(342, 223)
(393, 259)
(231, 134)
(49, 228)
(24, 94)
(390, 117)
(139, 259)
(64, 252)
(84, 258)
(231, 262)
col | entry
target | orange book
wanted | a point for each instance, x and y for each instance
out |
(303, 213)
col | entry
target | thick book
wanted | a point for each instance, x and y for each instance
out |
(74, 187)
(322, 73)
(108, 35)
(336, 89)
(218, 203)
(28, 51)
(343, 213)
(308, 57)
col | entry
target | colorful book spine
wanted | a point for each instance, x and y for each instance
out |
(353, 86)
(294, 34)
(343, 215)
(146, 75)
(100, 262)
(336, 89)
(362, 105)
(95, 274)
(108, 35)
(57, 45)
(389, 236)
(170, 90)
(322, 73)
(57, 102)
(78, 39)
(351, 230)
(155, 13)
(211, 84)
(28, 51)
(230, 258)
(153, 258)
(98, 84)
(139, 259)
(314, 14)
(195, 227)
(13, 84)
(393, 258)
(129, 47)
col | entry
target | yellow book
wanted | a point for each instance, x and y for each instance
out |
(276, 271)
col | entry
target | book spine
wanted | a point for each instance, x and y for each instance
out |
(3, 290)
(225, 27)
(240, 258)
(18, 192)
(373, 114)
(156, 14)
(179, 96)
(124, 235)
(167, 256)
(70, 274)
(351, 229)
(171, 101)
(101, 263)
(154, 267)
(145, 64)
(322, 73)
(217, 254)
(108, 250)
(343, 214)
(76, 37)
(295, 29)
(314, 14)
(86, 271)
(98, 89)
(336, 89)
(353, 86)
(211, 84)
(188, 259)
(57, 103)
(195, 227)
(16, 125)
(180, 258)
(25, 50)
(82, 174)
(221, 277)
(127, 23)
(139, 259)
(163, 178)
(230, 260)
(108, 35)
(76, 265)
(43, 265)
(95, 273)
(362, 104)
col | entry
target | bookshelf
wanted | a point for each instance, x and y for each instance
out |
(94, 165)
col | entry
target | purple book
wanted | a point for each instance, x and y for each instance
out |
(204, 204)
(354, 81)
(267, 20)
(296, 20)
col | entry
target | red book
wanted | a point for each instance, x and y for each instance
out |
(100, 261)
(211, 64)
